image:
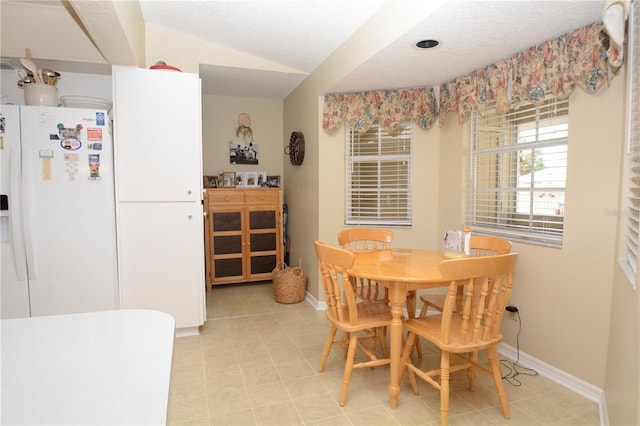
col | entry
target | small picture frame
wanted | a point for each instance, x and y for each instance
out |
(210, 181)
(240, 179)
(262, 180)
(273, 181)
(229, 180)
(251, 179)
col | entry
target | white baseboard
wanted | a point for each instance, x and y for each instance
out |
(319, 306)
(187, 331)
(579, 386)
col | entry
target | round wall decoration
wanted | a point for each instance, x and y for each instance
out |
(295, 150)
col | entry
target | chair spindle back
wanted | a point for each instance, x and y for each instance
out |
(360, 240)
(334, 263)
(483, 245)
(488, 282)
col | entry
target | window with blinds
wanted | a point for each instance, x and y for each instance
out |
(632, 223)
(517, 173)
(378, 177)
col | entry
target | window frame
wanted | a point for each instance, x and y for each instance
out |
(630, 226)
(503, 200)
(351, 216)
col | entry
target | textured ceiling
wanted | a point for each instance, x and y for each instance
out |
(301, 34)
(473, 34)
(294, 37)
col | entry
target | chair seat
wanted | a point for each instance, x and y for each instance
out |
(430, 328)
(370, 315)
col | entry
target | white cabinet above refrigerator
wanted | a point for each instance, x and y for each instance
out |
(158, 133)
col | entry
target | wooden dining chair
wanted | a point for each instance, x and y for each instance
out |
(479, 245)
(360, 240)
(360, 322)
(488, 282)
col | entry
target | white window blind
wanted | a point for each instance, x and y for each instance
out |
(378, 177)
(630, 260)
(517, 173)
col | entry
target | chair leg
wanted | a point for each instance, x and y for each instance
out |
(423, 310)
(445, 363)
(348, 367)
(344, 340)
(472, 372)
(411, 313)
(382, 336)
(411, 304)
(327, 347)
(494, 362)
(418, 348)
(406, 359)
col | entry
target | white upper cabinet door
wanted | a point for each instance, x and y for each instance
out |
(158, 135)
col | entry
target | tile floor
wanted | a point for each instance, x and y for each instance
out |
(255, 362)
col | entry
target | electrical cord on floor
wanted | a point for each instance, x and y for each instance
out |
(511, 376)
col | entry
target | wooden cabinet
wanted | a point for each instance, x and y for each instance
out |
(243, 234)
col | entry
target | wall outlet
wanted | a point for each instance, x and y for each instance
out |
(512, 312)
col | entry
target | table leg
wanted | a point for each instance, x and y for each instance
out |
(397, 297)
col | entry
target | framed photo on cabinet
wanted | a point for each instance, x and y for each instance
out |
(262, 180)
(273, 181)
(211, 181)
(229, 179)
(251, 179)
(240, 179)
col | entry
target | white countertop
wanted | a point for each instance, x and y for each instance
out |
(109, 368)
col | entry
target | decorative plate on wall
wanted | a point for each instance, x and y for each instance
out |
(295, 150)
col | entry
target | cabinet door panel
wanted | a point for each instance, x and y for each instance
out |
(227, 221)
(262, 219)
(263, 264)
(263, 242)
(228, 268)
(161, 266)
(158, 139)
(227, 244)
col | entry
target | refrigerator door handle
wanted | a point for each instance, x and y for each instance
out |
(28, 241)
(15, 214)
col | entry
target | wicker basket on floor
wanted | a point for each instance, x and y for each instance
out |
(289, 284)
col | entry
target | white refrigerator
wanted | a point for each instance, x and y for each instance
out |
(57, 215)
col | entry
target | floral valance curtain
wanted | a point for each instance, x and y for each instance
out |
(390, 108)
(575, 59)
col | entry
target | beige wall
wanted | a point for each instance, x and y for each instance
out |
(303, 182)
(623, 369)
(564, 295)
(219, 124)
(187, 53)
(622, 382)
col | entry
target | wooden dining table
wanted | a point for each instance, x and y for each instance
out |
(402, 271)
